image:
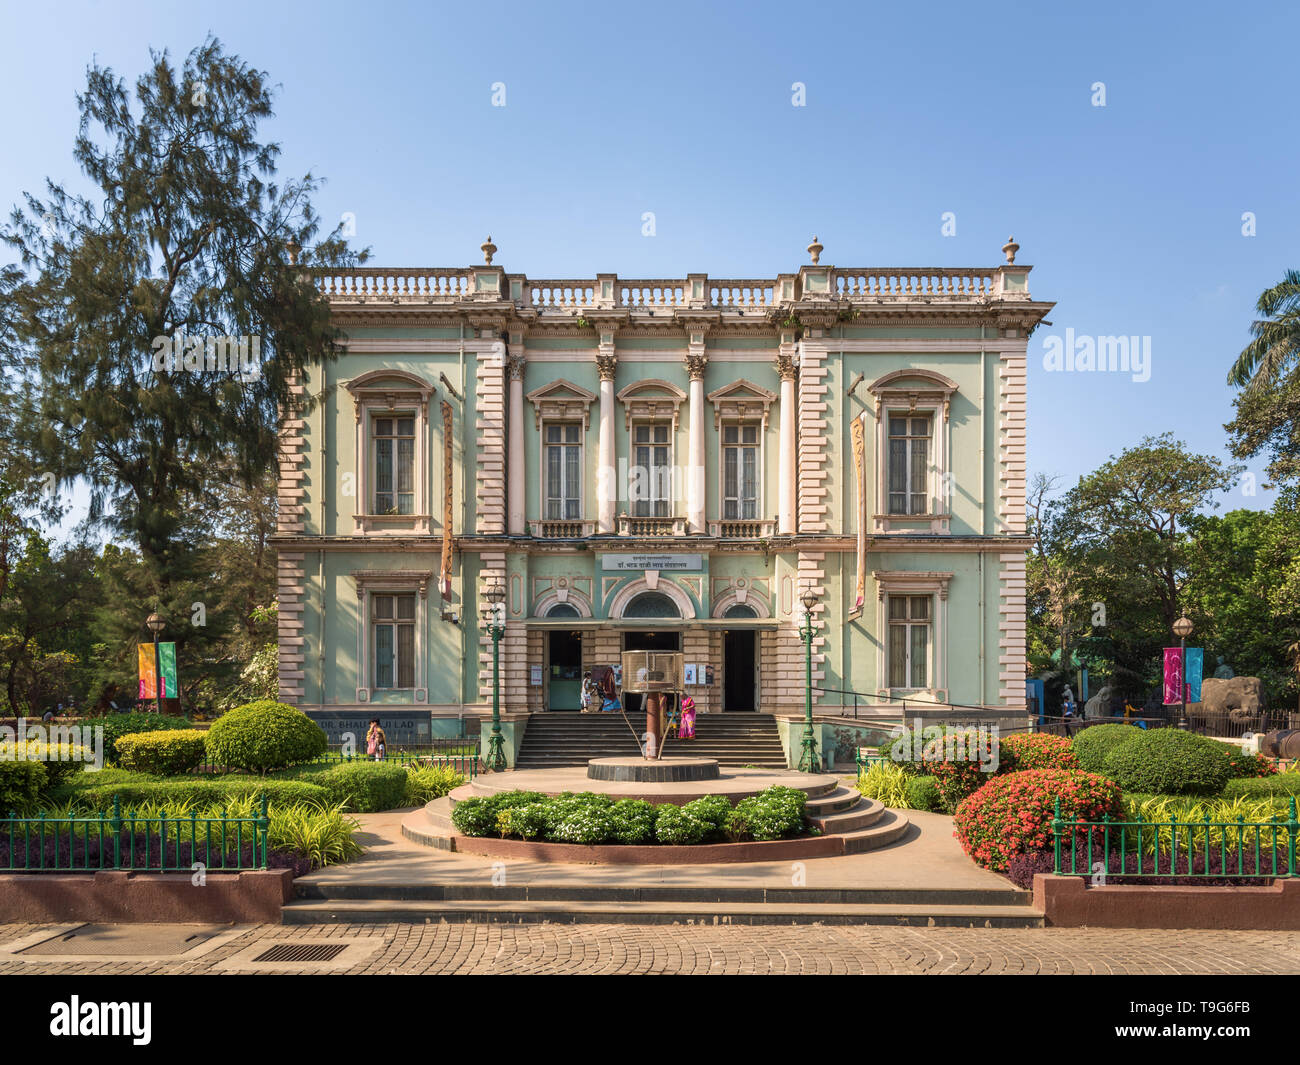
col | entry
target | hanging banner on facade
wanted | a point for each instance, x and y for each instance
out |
(860, 479)
(444, 570)
(1195, 670)
(148, 677)
(1173, 675)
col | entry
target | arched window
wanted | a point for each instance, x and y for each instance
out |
(563, 610)
(740, 611)
(651, 605)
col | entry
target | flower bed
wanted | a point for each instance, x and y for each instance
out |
(590, 819)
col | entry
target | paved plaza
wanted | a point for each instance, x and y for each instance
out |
(720, 949)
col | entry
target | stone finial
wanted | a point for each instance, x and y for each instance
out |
(815, 250)
(489, 249)
(1009, 249)
(293, 248)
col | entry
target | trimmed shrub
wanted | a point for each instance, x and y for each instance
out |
(1012, 814)
(426, 783)
(1094, 743)
(1247, 766)
(264, 735)
(167, 752)
(1281, 784)
(21, 783)
(526, 822)
(714, 811)
(676, 828)
(1035, 750)
(923, 794)
(365, 787)
(116, 726)
(1169, 761)
(634, 821)
(61, 761)
(214, 790)
(474, 817)
(772, 814)
(589, 824)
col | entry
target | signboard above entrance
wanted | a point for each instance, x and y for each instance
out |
(636, 561)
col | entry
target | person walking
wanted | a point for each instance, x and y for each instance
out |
(687, 729)
(588, 694)
(376, 741)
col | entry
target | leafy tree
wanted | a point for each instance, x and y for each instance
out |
(1268, 373)
(187, 234)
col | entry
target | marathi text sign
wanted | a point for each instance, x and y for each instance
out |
(639, 562)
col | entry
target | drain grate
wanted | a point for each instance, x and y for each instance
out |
(302, 952)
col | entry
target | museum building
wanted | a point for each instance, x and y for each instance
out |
(661, 464)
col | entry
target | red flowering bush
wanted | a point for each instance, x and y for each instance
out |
(1245, 766)
(1012, 814)
(1035, 750)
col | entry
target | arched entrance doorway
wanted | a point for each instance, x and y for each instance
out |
(563, 662)
(649, 605)
(739, 663)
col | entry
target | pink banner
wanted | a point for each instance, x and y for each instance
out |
(1173, 675)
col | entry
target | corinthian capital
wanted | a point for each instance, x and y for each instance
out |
(785, 367)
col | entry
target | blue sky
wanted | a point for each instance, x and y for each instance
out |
(1130, 213)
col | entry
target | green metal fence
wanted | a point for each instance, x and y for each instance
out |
(123, 840)
(1254, 850)
(866, 761)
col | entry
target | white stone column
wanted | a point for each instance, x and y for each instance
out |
(695, 472)
(606, 473)
(786, 457)
(516, 473)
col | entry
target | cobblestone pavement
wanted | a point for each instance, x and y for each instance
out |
(613, 949)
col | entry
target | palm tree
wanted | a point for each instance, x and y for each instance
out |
(1277, 336)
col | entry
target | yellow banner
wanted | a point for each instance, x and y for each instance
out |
(148, 674)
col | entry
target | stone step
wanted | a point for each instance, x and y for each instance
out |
(842, 798)
(887, 829)
(358, 911)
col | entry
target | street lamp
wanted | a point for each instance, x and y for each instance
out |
(1182, 629)
(808, 761)
(155, 623)
(495, 595)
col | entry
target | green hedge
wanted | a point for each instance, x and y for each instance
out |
(21, 783)
(61, 760)
(264, 735)
(923, 794)
(214, 790)
(1169, 761)
(165, 753)
(116, 726)
(1260, 787)
(365, 787)
(1093, 744)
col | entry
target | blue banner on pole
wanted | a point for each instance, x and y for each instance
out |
(1195, 670)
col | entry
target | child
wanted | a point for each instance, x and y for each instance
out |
(376, 741)
(687, 731)
(588, 694)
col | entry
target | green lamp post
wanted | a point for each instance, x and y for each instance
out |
(808, 760)
(495, 595)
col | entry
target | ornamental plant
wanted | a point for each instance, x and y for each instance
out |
(365, 787)
(1012, 813)
(923, 794)
(264, 735)
(1244, 765)
(1035, 750)
(1169, 761)
(165, 753)
(1094, 743)
(117, 725)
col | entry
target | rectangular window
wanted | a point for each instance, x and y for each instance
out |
(652, 481)
(909, 641)
(739, 472)
(563, 471)
(393, 621)
(393, 440)
(909, 464)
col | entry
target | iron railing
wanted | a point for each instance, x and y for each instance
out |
(118, 840)
(1155, 850)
